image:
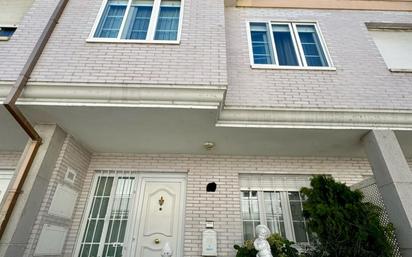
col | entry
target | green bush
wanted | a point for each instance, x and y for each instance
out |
(344, 225)
(279, 247)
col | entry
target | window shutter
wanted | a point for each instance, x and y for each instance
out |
(395, 47)
(271, 182)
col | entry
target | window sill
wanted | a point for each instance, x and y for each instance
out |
(274, 67)
(131, 41)
(399, 70)
(4, 38)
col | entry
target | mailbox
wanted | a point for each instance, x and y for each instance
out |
(209, 243)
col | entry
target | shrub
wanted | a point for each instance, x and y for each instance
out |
(344, 225)
(279, 247)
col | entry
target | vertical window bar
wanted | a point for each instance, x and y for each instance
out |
(272, 40)
(290, 235)
(126, 14)
(153, 20)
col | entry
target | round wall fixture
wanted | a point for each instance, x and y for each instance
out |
(208, 145)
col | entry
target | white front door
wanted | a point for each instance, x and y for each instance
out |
(160, 216)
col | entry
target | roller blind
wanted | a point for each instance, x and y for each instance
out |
(12, 11)
(276, 182)
(395, 47)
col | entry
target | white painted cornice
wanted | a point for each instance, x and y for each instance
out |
(138, 95)
(207, 97)
(315, 118)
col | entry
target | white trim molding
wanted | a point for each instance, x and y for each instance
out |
(125, 95)
(315, 118)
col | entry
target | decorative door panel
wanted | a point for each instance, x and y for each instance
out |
(161, 216)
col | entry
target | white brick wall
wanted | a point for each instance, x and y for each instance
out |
(9, 159)
(223, 206)
(72, 155)
(360, 81)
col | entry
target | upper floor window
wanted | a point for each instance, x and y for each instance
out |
(139, 20)
(6, 32)
(394, 42)
(287, 44)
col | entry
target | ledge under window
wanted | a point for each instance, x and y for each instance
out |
(130, 41)
(275, 67)
(399, 70)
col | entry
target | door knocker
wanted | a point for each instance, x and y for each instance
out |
(161, 202)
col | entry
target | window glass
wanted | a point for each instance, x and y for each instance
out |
(299, 223)
(311, 45)
(168, 21)
(285, 48)
(106, 223)
(261, 45)
(274, 213)
(146, 20)
(281, 211)
(7, 31)
(250, 213)
(289, 44)
(111, 19)
(139, 19)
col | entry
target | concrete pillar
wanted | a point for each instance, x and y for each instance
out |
(394, 180)
(18, 230)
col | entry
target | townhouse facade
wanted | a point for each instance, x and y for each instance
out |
(129, 124)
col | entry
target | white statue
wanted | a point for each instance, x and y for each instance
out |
(260, 243)
(167, 250)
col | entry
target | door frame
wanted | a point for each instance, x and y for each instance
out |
(131, 245)
(177, 177)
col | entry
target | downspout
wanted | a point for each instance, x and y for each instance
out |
(10, 104)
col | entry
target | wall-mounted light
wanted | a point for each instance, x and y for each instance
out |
(208, 145)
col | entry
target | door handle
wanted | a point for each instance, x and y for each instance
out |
(157, 241)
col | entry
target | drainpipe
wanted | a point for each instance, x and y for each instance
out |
(10, 104)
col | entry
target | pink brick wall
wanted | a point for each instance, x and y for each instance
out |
(361, 80)
(223, 206)
(200, 59)
(72, 155)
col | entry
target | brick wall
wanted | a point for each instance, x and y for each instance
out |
(14, 53)
(361, 80)
(200, 59)
(223, 206)
(9, 159)
(72, 155)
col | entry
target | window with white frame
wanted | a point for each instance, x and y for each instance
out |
(275, 201)
(139, 20)
(287, 44)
